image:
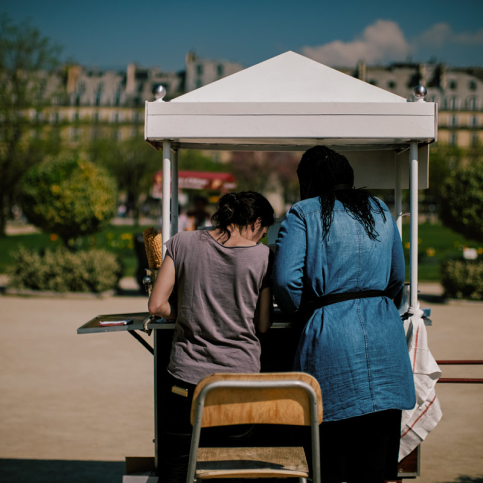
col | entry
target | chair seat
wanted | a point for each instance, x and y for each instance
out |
(284, 462)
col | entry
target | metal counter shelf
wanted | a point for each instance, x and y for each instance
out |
(144, 321)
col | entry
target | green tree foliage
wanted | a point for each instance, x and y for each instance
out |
(193, 160)
(26, 57)
(442, 159)
(68, 196)
(132, 163)
(462, 200)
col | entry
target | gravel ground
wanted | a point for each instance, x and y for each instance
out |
(72, 407)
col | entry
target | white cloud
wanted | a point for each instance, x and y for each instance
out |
(475, 38)
(379, 42)
(384, 41)
(441, 34)
(436, 36)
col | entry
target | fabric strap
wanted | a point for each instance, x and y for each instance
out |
(335, 298)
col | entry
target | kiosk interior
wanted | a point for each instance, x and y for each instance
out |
(291, 103)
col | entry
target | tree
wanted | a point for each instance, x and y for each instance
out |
(442, 160)
(193, 160)
(70, 197)
(462, 200)
(132, 163)
(26, 57)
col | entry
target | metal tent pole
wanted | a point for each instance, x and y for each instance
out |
(166, 228)
(413, 261)
(398, 195)
(166, 193)
(174, 192)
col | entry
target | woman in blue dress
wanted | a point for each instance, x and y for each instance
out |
(339, 264)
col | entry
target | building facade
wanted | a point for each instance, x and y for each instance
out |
(89, 103)
(457, 91)
(200, 72)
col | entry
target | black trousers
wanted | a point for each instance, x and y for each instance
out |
(176, 430)
(361, 449)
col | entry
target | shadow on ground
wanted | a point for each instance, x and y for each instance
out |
(432, 299)
(120, 292)
(467, 479)
(131, 292)
(56, 471)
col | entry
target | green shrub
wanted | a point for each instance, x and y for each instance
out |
(462, 201)
(69, 197)
(462, 279)
(61, 270)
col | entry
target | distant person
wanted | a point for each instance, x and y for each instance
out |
(223, 298)
(339, 262)
(199, 215)
(184, 223)
(121, 211)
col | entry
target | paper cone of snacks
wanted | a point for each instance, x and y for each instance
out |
(153, 242)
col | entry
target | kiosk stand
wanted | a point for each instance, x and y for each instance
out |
(291, 103)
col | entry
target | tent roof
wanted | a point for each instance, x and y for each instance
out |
(289, 77)
(290, 103)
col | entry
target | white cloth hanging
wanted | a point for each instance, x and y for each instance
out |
(417, 423)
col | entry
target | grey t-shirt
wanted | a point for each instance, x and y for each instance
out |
(217, 290)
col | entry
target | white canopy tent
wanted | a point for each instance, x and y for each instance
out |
(290, 103)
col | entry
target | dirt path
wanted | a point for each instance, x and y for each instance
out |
(72, 407)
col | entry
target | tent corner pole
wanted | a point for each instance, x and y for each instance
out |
(174, 192)
(398, 195)
(413, 254)
(166, 193)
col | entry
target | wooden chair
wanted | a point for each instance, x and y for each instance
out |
(291, 398)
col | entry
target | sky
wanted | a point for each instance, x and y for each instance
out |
(112, 34)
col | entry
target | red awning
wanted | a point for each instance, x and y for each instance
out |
(201, 180)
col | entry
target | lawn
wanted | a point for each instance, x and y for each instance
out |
(435, 243)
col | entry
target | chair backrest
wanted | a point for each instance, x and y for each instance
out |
(261, 405)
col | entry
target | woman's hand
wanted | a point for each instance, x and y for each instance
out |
(163, 287)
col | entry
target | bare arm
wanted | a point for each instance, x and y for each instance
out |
(263, 315)
(163, 287)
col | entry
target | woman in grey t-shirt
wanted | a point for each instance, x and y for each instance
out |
(223, 298)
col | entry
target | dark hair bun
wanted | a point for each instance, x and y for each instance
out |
(242, 209)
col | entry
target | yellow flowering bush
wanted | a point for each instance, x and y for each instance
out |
(61, 270)
(70, 197)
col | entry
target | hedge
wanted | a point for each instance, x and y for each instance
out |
(61, 270)
(462, 279)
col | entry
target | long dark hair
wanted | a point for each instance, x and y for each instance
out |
(242, 209)
(328, 175)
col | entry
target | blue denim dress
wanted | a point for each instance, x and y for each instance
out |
(357, 348)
